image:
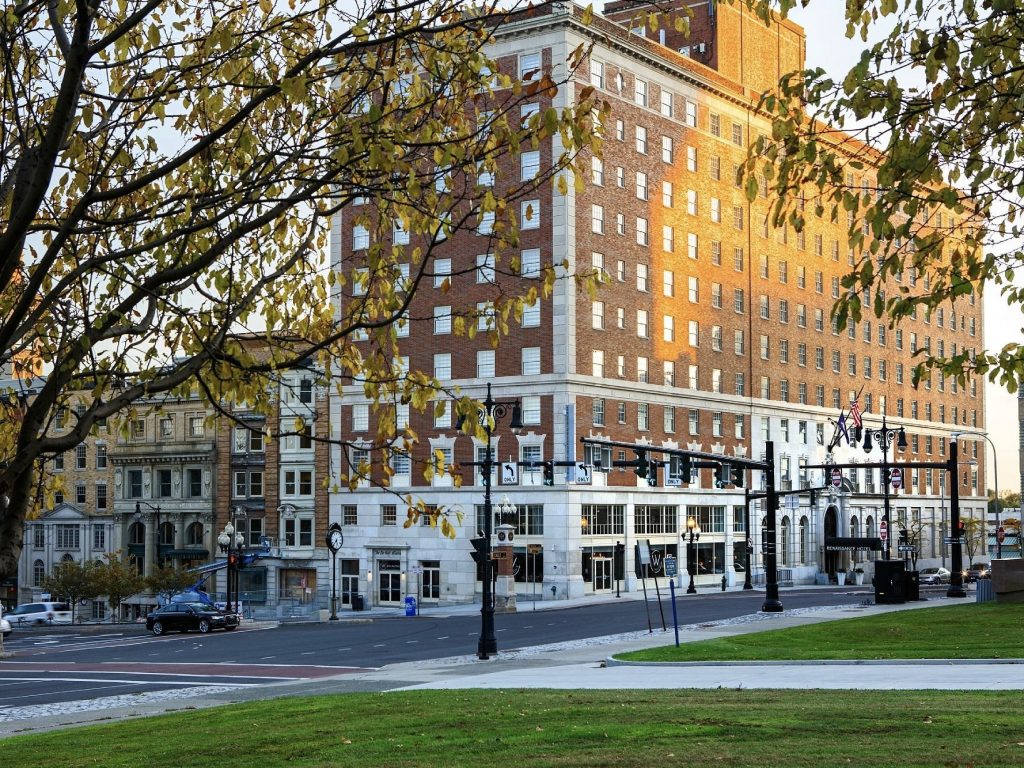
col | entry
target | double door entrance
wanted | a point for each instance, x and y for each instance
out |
(599, 571)
(389, 582)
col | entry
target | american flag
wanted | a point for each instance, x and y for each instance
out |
(855, 413)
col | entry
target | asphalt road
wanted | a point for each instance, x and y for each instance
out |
(68, 664)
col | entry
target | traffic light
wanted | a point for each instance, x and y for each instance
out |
(232, 560)
(737, 476)
(549, 473)
(479, 553)
(904, 536)
(723, 474)
(961, 528)
(652, 475)
(686, 469)
(642, 465)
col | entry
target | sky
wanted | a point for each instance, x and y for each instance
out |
(829, 48)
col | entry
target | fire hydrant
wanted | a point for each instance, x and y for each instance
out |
(723, 582)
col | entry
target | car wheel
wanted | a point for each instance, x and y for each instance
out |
(204, 626)
(230, 628)
(158, 628)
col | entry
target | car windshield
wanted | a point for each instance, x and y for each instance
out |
(930, 570)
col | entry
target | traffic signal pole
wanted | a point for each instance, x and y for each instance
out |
(771, 603)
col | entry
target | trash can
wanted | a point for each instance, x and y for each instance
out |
(889, 583)
(983, 591)
(912, 585)
(410, 606)
(357, 603)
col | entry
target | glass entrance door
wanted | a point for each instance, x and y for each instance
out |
(602, 567)
(389, 582)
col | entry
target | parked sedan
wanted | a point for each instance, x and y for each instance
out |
(934, 576)
(184, 617)
(5, 627)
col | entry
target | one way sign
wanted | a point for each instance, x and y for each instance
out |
(583, 473)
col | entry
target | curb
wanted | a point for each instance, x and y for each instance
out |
(611, 661)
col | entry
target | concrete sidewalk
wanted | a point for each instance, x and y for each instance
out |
(589, 664)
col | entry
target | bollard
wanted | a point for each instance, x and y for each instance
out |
(723, 582)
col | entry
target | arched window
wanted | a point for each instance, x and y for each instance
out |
(784, 540)
(804, 540)
(194, 535)
(166, 533)
(870, 532)
(68, 558)
(38, 573)
(137, 534)
(854, 526)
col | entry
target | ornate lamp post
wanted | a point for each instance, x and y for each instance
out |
(885, 436)
(492, 411)
(231, 543)
(691, 551)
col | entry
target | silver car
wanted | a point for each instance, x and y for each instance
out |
(934, 576)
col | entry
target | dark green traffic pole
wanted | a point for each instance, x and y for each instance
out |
(956, 578)
(771, 603)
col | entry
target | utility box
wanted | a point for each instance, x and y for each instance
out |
(357, 603)
(889, 582)
(912, 585)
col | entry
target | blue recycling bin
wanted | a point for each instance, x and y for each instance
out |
(410, 606)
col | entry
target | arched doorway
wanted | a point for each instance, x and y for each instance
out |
(831, 559)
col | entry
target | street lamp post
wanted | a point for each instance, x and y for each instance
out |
(489, 414)
(885, 436)
(691, 551)
(995, 477)
(231, 543)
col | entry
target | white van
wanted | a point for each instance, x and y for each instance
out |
(40, 613)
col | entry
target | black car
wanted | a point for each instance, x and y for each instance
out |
(977, 571)
(183, 617)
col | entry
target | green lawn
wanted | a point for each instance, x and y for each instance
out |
(965, 631)
(625, 729)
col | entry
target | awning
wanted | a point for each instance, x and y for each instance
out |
(186, 554)
(852, 543)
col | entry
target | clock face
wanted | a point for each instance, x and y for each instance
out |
(335, 540)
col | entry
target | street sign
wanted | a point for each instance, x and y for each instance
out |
(952, 539)
(499, 554)
(896, 477)
(837, 477)
(883, 530)
(584, 473)
(509, 473)
(534, 549)
(906, 548)
(1000, 534)
(670, 565)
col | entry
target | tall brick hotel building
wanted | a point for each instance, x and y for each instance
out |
(711, 331)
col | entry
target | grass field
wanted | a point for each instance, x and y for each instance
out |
(625, 729)
(964, 631)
